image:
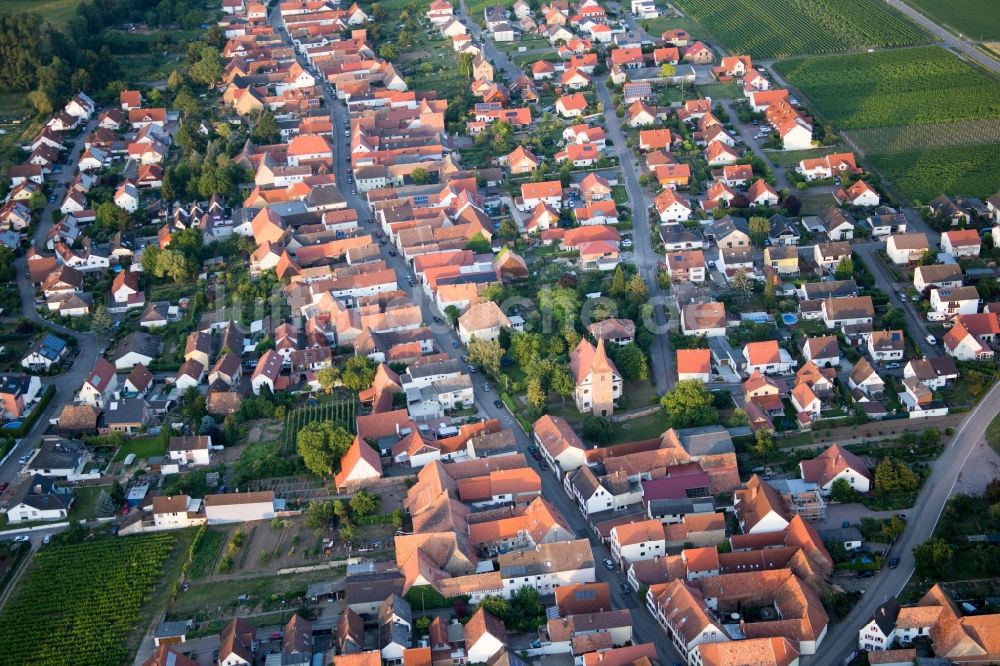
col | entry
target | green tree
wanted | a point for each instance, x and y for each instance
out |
(933, 558)
(465, 65)
(175, 80)
(508, 229)
(208, 69)
(844, 269)
(328, 378)
(741, 285)
(357, 373)
(479, 244)
(618, 281)
(105, 505)
(760, 227)
(739, 418)
(322, 444)
(486, 354)
(100, 321)
(496, 606)
(770, 294)
(893, 528)
(452, 313)
(365, 503)
(689, 405)
(266, 129)
(388, 52)
(636, 289)
(536, 395)
(597, 429)
(841, 491)
(527, 612)
(763, 443)
(318, 513)
(37, 200)
(667, 71)
(420, 176)
(928, 257)
(632, 362)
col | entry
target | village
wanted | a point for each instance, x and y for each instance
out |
(409, 334)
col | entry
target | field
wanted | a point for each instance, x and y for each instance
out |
(781, 28)
(54, 11)
(341, 411)
(978, 19)
(78, 604)
(927, 120)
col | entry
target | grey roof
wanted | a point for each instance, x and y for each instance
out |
(126, 410)
(886, 614)
(841, 534)
(168, 629)
(372, 587)
(450, 366)
(782, 226)
(58, 454)
(139, 342)
(728, 224)
(395, 605)
(706, 441)
(682, 506)
(393, 632)
(833, 289)
(48, 346)
(41, 493)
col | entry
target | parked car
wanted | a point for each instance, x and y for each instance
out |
(626, 242)
(866, 574)
(536, 454)
(626, 588)
(609, 565)
(893, 562)
(47, 539)
(543, 465)
(931, 340)
(902, 296)
(3, 486)
(486, 387)
(23, 538)
(891, 366)
(498, 404)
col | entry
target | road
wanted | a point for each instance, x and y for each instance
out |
(949, 39)
(746, 134)
(645, 628)
(922, 518)
(60, 181)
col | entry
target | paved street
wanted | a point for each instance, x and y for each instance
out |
(747, 135)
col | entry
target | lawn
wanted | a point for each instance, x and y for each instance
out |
(57, 12)
(85, 505)
(781, 28)
(929, 122)
(979, 19)
(720, 91)
(656, 27)
(144, 447)
(619, 194)
(645, 427)
(993, 433)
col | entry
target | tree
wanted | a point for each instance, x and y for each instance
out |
(689, 405)
(632, 362)
(932, 558)
(398, 518)
(507, 228)
(388, 52)
(496, 606)
(365, 503)
(266, 130)
(105, 505)
(618, 281)
(894, 476)
(322, 444)
(486, 354)
(667, 71)
(893, 528)
(41, 101)
(770, 294)
(763, 443)
(192, 404)
(207, 425)
(100, 321)
(526, 609)
(452, 313)
(739, 418)
(636, 289)
(328, 378)
(598, 430)
(536, 395)
(465, 65)
(208, 69)
(928, 257)
(760, 227)
(37, 200)
(420, 176)
(478, 243)
(357, 373)
(741, 285)
(993, 490)
(844, 269)
(841, 491)
(175, 80)
(318, 513)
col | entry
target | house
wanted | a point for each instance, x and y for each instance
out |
(770, 650)
(672, 206)
(139, 381)
(805, 401)
(783, 231)
(838, 224)
(729, 231)
(547, 192)
(942, 276)
(850, 313)
(859, 194)
(361, 464)
(190, 375)
(961, 343)
(686, 266)
(395, 620)
(885, 222)
(707, 319)
(127, 196)
(267, 371)
(866, 380)
(99, 385)
(904, 249)
(572, 105)
(239, 507)
(482, 321)
(828, 166)
(956, 301)
(765, 393)
(641, 114)
(760, 508)
(190, 450)
(38, 499)
(485, 637)
(58, 457)
(598, 382)
(767, 358)
(522, 160)
(237, 643)
(878, 633)
(824, 351)
(546, 567)
(836, 463)
(136, 348)
(558, 443)
(782, 258)
(618, 331)
(655, 139)
(762, 194)
(961, 243)
(886, 346)
(44, 352)
(694, 364)
(697, 54)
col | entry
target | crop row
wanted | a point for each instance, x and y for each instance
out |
(341, 411)
(79, 603)
(924, 174)
(890, 88)
(907, 138)
(778, 28)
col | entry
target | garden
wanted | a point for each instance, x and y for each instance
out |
(341, 410)
(780, 28)
(79, 603)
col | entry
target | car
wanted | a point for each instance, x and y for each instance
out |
(438, 320)
(392, 253)
(902, 516)
(532, 448)
(902, 296)
(536, 454)
(866, 574)
(378, 234)
(24, 538)
(47, 539)
(711, 264)
(626, 588)
(756, 122)
(893, 562)
(455, 344)
(626, 242)
(836, 181)
(486, 387)
(891, 366)
(3, 486)
(384, 241)
(609, 565)
(23, 459)
(931, 340)
(542, 465)
(498, 404)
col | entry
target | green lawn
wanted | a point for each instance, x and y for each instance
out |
(144, 447)
(656, 27)
(979, 19)
(993, 433)
(646, 427)
(720, 91)
(55, 11)
(619, 194)
(85, 505)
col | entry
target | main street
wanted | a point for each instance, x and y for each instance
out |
(645, 628)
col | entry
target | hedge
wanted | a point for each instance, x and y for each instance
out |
(378, 519)
(426, 597)
(30, 419)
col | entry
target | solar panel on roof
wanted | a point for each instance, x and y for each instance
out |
(584, 595)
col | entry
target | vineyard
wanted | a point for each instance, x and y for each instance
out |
(78, 604)
(890, 88)
(341, 411)
(910, 138)
(978, 19)
(780, 28)
(922, 175)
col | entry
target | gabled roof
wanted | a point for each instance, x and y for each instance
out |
(826, 466)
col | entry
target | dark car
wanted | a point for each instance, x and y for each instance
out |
(866, 574)
(543, 465)
(3, 486)
(536, 454)
(498, 404)
(893, 562)
(626, 588)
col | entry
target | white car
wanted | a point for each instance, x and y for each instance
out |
(626, 242)
(931, 340)
(24, 538)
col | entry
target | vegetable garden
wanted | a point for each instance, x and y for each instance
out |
(780, 28)
(341, 410)
(78, 604)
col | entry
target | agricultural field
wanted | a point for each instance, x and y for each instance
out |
(79, 603)
(928, 121)
(341, 410)
(782, 28)
(57, 12)
(979, 19)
